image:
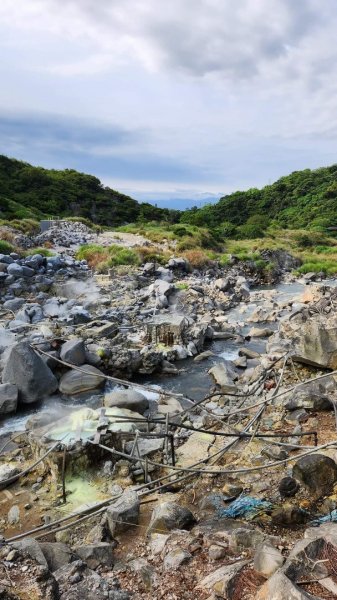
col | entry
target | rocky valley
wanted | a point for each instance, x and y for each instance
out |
(167, 431)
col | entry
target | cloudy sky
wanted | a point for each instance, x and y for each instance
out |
(168, 100)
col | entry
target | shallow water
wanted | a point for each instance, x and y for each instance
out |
(193, 380)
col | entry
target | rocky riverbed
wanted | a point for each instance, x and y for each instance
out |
(166, 433)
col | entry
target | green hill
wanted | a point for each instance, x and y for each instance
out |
(33, 192)
(304, 199)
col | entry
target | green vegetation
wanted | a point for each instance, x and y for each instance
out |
(43, 251)
(103, 258)
(304, 199)
(6, 247)
(33, 192)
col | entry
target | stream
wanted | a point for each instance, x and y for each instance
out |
(193, 379)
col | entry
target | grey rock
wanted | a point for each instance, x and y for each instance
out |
(288, 487)
(279, 587)
(170, 515)
(317, 472)
(13, 516)
(6, 472)
(73, 351)
(77, 582)
(8, 398)
(56, 554)
(26, 369)
(224, 374)
(95, 555)
(75, 382)
(15, 270)
(222, 581)
(129, 399)
(176, 558)
(8, 260)
(267, 560)
(31, 547)
(123, 512)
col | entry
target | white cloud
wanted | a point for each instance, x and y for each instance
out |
(217, 83)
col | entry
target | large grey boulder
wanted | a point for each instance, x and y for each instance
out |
(56, 554)
(267, 559)
(317, 472)
(8, 398)
(222, 582)
(75, 382)
(26, 369)
(77, 582)
(170, 515)
(73, 351)
(279, 587)
(95, 555)
(32, 548)
(123, 512)
(224, 376)
(129, 399)
(313, 340)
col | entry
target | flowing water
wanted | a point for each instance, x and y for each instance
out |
(193, 379)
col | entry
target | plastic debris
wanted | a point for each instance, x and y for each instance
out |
(245, 506)
(330, 518)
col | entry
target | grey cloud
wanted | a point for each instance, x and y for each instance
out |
(60, 131)
(233, 39)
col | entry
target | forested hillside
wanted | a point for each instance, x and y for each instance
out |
(304, 199)
(27, 191)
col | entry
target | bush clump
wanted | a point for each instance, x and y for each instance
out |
(6, 247)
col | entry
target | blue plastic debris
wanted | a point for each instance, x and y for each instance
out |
(330, 518)
(245, 506)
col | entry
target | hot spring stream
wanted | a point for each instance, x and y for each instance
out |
(193, 379)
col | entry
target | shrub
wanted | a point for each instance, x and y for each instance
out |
(42, 251)
(197, 258)
(6, 247)
(249, 231)
(328, 267)
(122, 256)
(148, 254)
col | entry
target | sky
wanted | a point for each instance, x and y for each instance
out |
(176, 102)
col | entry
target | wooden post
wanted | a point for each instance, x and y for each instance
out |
(64, 495)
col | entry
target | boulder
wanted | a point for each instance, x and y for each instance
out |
(222, 582)
(75, 382)
(32, 548)
(26, 369)
(8, 398)
(176, 558)
(257, 332)
(6, 472)
(170, 515)
(129, 399)
(73, 351)
(123, 512)
(77, 582)
(56, 554)
(267, 560)
(279, 587)
(313, 339)
(95, 555)
(224, 375)
(317, 472)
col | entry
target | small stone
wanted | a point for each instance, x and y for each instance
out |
(216, 552)
(13, 516)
